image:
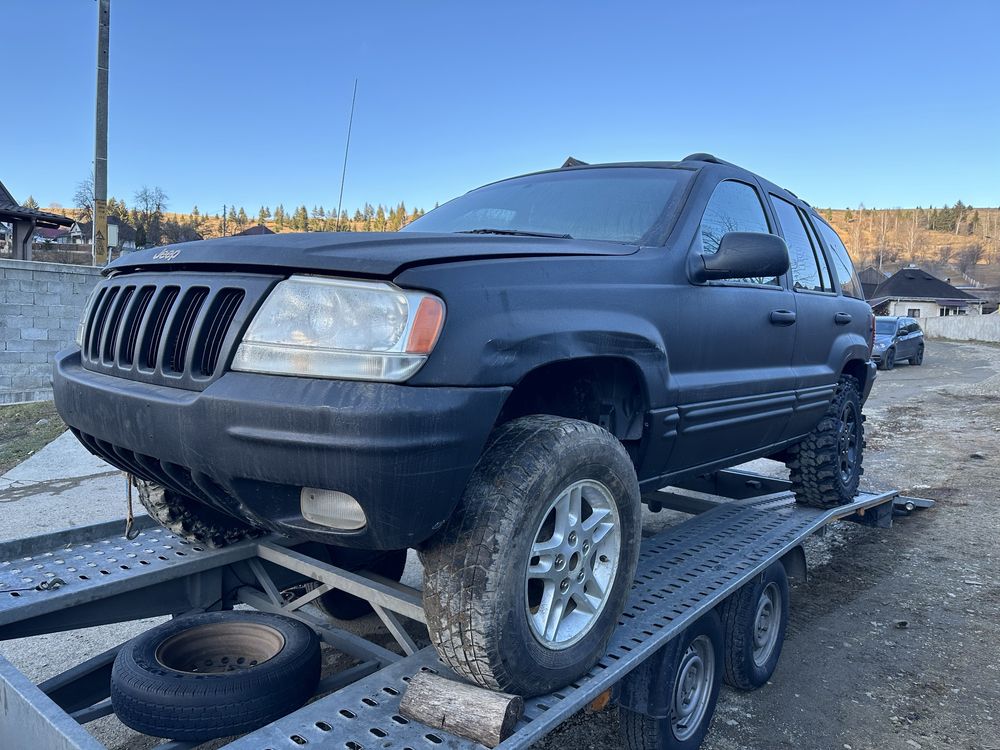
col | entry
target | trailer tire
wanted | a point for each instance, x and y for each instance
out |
(190, 519)
(693, 662)
(754, 620)
(825, 468)
(343, 606)
(157, 688)
(490, 575)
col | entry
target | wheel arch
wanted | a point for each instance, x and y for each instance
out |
(609, 391)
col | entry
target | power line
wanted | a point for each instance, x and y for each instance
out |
(347, 148)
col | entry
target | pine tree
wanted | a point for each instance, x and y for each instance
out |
(263, 215)
(231, 219)
(30, 202)
(242, 219)
(195, 217)
(279, 216)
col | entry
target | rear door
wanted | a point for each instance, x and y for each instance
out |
(814, 363)
(730, 345)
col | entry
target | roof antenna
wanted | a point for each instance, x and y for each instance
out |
(347, 148)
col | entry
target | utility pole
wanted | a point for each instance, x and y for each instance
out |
(223, 219)
(100, 235)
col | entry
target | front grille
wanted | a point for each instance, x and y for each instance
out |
(175, 329)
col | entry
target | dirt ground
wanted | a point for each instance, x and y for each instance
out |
(894, 641)
(26, 428)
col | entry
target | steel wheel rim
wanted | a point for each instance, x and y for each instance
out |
(572, 564)
(220, 647)
(766, 624)
(848, 441)
(692, 688)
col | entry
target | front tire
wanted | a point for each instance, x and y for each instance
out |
(918, 358)
(889, 359)
(826, 467)
(525, 584)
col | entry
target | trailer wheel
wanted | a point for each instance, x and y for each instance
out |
(826, 466)
(524, 585)
(344, 606)
(754, 620)
(190, 519)
(215, 674)
(680, 687)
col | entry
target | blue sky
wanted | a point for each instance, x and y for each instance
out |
(885, 103)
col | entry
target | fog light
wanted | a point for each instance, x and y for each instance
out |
(338, 510)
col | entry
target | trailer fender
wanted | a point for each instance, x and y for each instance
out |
(795, 563)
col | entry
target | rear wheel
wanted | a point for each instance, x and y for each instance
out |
(525, 584)
(754, 620)
(918, 358)
(684, 688)
(826, 467)
(190, 519)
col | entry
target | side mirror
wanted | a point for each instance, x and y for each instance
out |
(742, 255)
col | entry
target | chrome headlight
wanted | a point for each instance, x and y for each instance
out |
(336, 328)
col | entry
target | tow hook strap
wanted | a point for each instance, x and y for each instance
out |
(130, 532)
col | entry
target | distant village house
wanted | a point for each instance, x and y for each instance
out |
(914, 293)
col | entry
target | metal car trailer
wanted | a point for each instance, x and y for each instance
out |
(94, 575)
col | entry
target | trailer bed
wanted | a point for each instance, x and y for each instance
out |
(683, 571)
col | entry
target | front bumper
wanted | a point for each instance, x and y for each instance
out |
(248, 443)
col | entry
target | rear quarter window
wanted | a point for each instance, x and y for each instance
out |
(844, 268)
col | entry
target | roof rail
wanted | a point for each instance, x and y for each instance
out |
(700, 156)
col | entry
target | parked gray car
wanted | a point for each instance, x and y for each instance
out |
(897, 339)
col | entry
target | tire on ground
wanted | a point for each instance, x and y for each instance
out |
(658, 681)
(190, 519)
(815, 464)
(751, 624)
(344, 606)
(918, 358)
(476, 593)
(162, 683)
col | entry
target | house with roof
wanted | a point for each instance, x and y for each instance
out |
(254, 230)
(23, 223)
(914, 293)
(870, 278)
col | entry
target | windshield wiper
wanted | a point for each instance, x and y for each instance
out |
(516, 233)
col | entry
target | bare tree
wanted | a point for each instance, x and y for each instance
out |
(83, 199)
(969, 256)
(150, 203)
(913, 238)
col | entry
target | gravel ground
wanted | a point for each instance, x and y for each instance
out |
(850, 677)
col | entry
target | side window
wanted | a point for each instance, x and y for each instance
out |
(846, 275)
(733, 207)
(801, 253)
(824, 265)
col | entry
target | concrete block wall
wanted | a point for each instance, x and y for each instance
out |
(40, 308)
(964, 327)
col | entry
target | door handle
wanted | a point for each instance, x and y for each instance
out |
(782, 317)
(842, 318)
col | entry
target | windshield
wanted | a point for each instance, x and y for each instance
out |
(885, 327)
(620, 204)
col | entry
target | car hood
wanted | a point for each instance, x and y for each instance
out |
(355, 253)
